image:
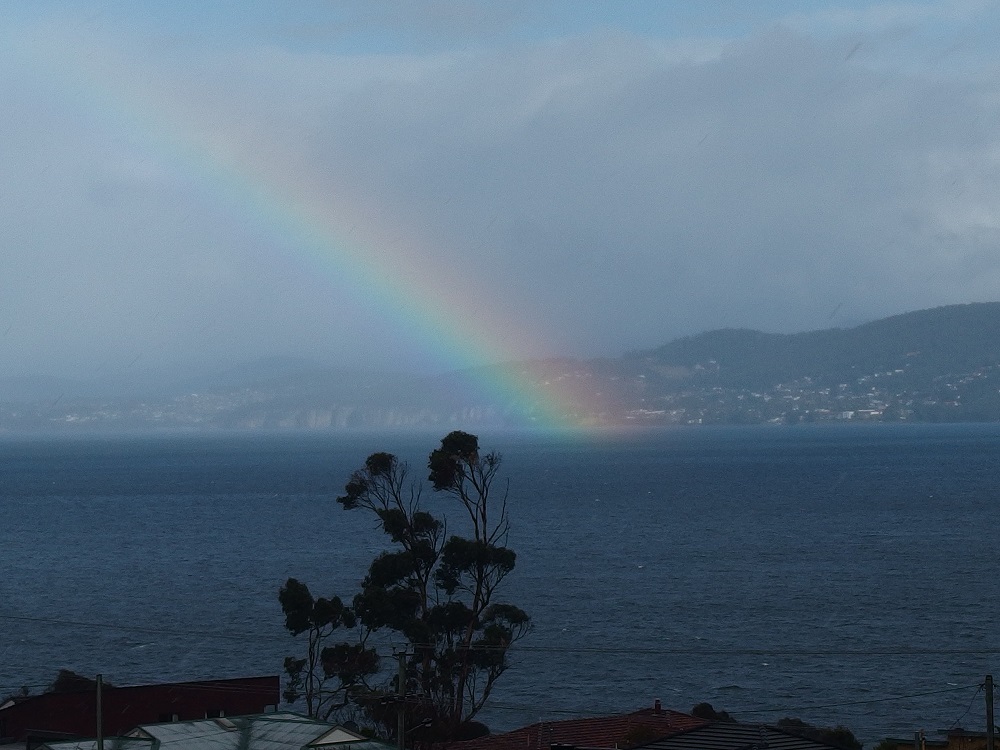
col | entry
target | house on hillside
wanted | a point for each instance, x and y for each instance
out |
(72, 713)
(619, 731)
(273, 731)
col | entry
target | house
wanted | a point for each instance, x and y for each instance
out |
(955, 739)
(648, 729)
(599, 733)
(73, 713)
(725, 735)
(273, 731)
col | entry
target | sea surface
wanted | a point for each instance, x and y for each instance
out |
(841, 575)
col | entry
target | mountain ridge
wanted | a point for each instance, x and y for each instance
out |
(938, 364)
(941, 337)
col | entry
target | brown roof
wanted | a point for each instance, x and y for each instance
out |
(604, 732)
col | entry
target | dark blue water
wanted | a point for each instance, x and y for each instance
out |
(770, 571)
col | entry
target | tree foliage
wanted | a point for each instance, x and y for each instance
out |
(68, 681)
(435, 590)
(706, 711)
(328, 676)
(839, 736)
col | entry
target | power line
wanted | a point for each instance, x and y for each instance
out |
(621, 650)
(192, 685)
(502, 706)
(860, 702)
(493, 705)
(971, 702)
(140, 629)
(702, 651)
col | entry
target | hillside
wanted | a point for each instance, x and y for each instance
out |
(941, 364)
(928, 343)
(931, 365)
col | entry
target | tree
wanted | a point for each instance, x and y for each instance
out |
(68, 681)
(17, 695)
(706, 711)
(437, 591)
(328, 676)
(839, 736)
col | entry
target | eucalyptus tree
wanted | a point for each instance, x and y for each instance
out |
(329, 677)
(435, 590)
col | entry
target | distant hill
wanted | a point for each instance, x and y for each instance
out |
(932, 365)
(39, 388)
(956, 338)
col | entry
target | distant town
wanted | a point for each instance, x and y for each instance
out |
(940, 365)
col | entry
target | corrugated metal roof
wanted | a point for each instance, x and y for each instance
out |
(110, 743)
(278, 731)
(731, 736)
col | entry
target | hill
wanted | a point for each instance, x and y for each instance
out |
(941, 364)
(931, 365)
(957, 338)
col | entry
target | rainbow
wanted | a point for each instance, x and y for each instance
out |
(327, 228)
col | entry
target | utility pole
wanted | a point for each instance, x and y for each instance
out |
(100, 714)
(401, 703)
(989, 712)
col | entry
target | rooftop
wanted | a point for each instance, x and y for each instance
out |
(734, 736)
(619, 731)
(277, 731)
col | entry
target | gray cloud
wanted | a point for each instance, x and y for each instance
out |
(608, 189)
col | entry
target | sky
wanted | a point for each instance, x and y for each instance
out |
(426, 186)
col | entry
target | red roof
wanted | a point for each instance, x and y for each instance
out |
(606, 732)
(124, 708)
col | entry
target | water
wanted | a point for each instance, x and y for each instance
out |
(817, 572)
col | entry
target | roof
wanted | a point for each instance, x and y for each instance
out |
(277, 731)
(71, 713)
(604, 732)
(110, 743)
(234, 684)
(732, 736)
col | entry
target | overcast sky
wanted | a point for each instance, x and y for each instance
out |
(435, 184)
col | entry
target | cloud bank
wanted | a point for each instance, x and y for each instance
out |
(607, 188)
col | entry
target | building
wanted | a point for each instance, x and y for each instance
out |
(648, 729)
(724, 735)
(619, 731)
(273, 731)
(74, 713)
(954, 739)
